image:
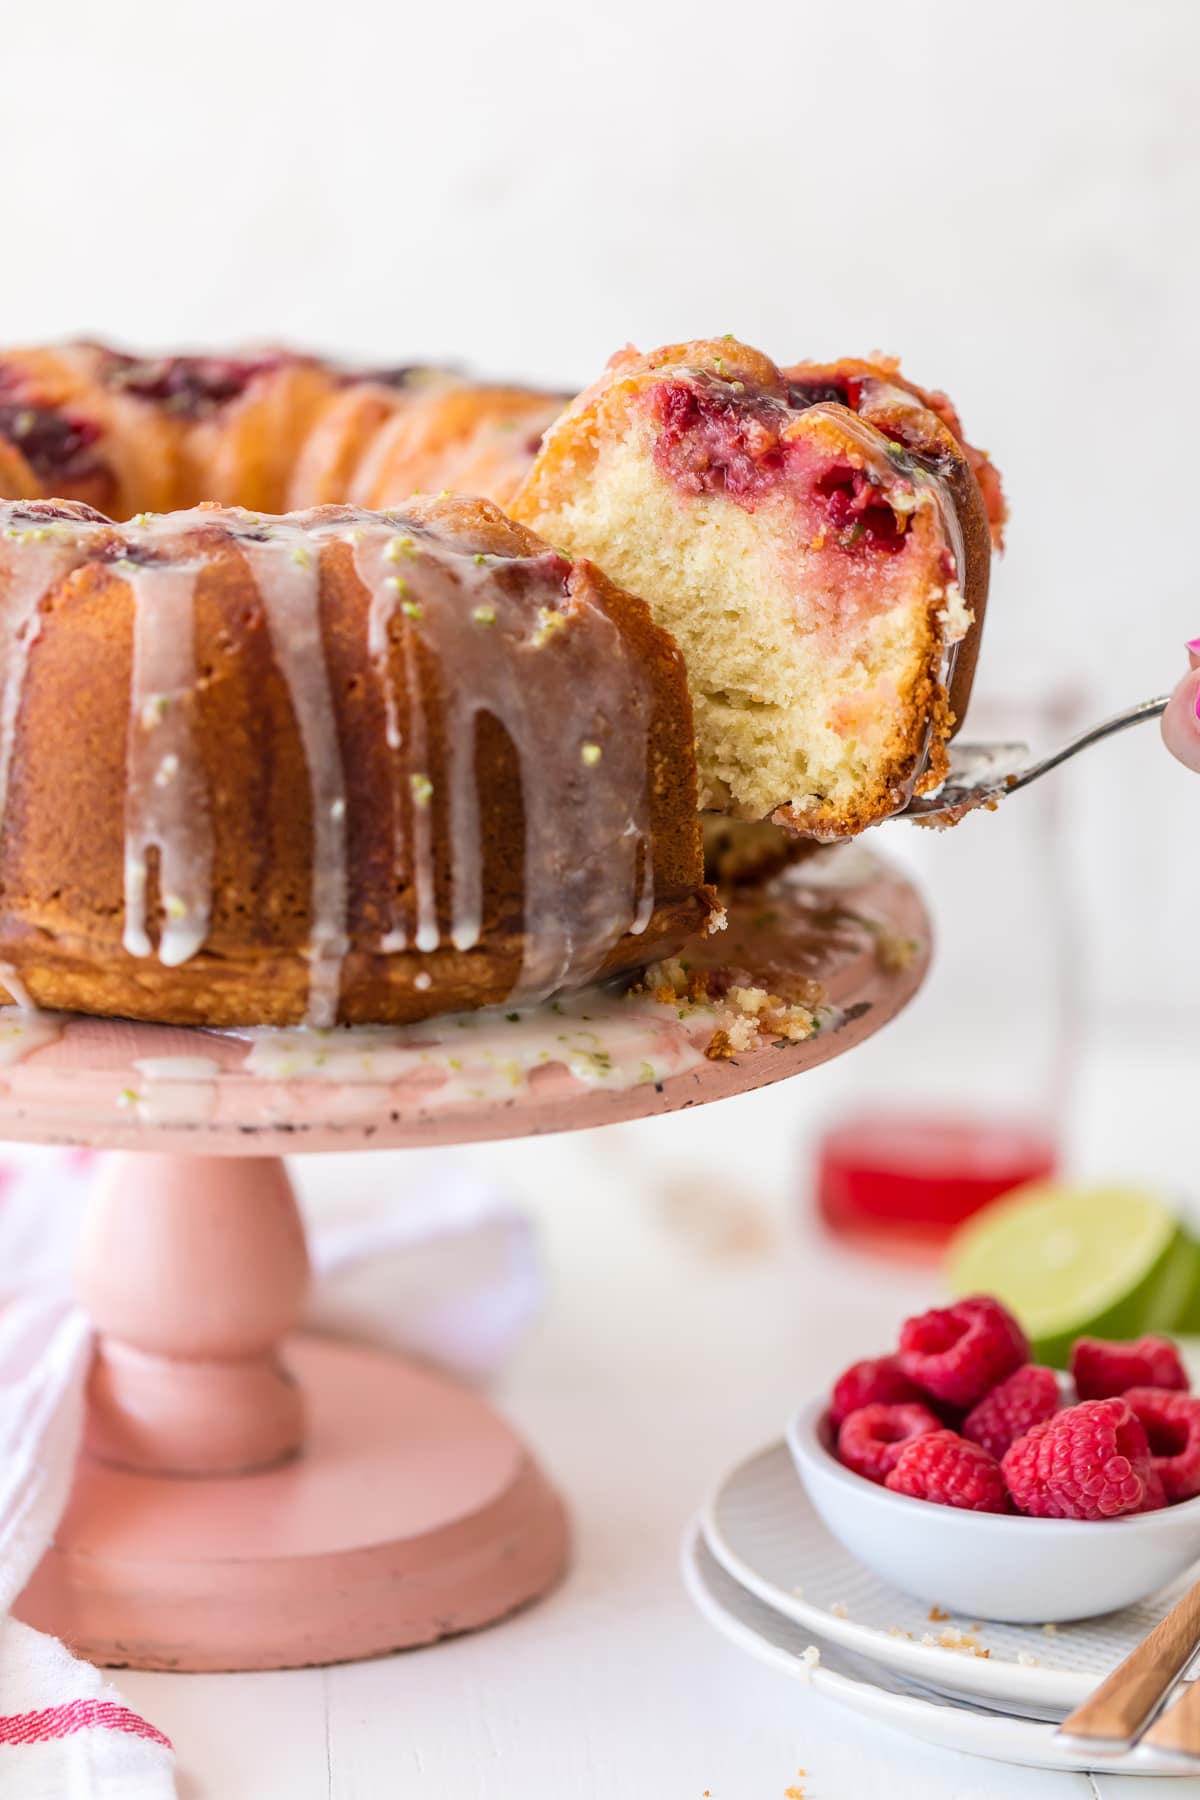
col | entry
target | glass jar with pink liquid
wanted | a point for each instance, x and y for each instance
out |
(964, 1096)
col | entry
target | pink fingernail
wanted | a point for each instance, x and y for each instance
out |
(1193, 646)
(1196, 706)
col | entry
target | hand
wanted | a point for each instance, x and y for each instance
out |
(1181, 721)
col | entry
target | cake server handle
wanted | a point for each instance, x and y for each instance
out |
(1129, 1700)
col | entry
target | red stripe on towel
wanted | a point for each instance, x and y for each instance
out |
(76, 1715)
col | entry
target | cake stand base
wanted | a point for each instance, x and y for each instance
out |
(413, 1513)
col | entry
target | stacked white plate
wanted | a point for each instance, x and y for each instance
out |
(764, 1570)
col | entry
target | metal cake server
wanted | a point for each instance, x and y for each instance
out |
(982, 774)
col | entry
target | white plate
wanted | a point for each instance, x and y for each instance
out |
(761, 1527)
(876, 1694)
(990, 1565)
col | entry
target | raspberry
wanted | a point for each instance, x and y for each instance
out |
(948, 1470)
(879, 1381)
(1021, 1401)
(958, 1353)
(871, 1439)
(1101, 1368)
(1172, 1424)
(1090, 1461)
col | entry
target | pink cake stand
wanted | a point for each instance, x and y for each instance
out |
(252, 1499)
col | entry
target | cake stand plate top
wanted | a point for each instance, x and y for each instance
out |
(845, 919)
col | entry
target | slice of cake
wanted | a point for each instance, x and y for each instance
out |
(817, 544)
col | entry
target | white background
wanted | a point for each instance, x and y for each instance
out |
(1008, 195)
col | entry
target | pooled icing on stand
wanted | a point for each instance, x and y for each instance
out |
(600, 1038)
(173, 1090)
(596, 1038)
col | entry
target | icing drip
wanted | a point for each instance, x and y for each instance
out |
(645, 905)
(287, 572)
(421, 794)
(465, 848)
(583, 835)
(166, 800)
(584, 789)
(584, 818)
(382, 565)
(371, 561)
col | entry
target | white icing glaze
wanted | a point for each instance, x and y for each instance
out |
(645, 903)
(177, 1068)
(427, 936)
(286, 568)
(174, 1090)
(602, 1039)
(166, 798)
(450, 616)
(455, 611)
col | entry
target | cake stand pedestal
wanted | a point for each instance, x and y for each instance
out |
(253, 1499)
(241, 1505)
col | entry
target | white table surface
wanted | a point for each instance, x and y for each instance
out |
(691, 1306)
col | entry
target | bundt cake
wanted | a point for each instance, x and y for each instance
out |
(276, 432)
(292, 744)
(815, 540)
(258, 770)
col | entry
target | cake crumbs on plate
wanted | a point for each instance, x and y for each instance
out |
(1050, 1630)
(1026, 1660)
(951, 1638)
(936, 1616)
(840, 1610)
(809, 1659)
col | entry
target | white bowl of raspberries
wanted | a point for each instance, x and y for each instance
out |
(961, 1471)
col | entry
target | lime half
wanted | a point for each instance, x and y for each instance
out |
(1078, 1262)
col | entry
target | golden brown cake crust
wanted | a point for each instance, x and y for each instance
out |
(275, 431)
(64, 872)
